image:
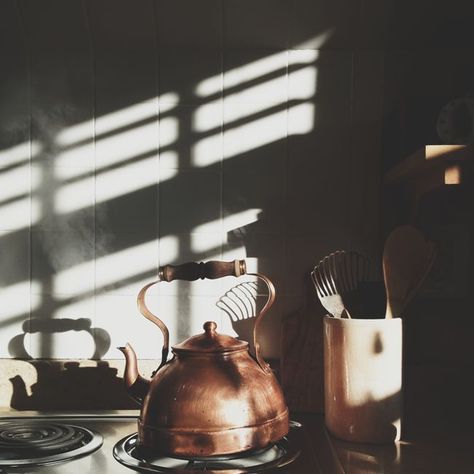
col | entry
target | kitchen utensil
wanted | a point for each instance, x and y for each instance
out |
(336, 279)
(363, 379)
(407, 260)
(212, 397)
(324, 276)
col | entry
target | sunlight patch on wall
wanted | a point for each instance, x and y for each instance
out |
(75, 161)
(19, 299)
(248, 72)
(169, 131)
(19, 214)
(201, 243)
(127, 263)
(19, 153)
(15, 182)
(301, 119)
(210, 235)
(270, 93)
(302, 83)
(207, 151)
(127, 144)
(207, 116)
(109, 185)
(127, 179)
(169, 159)
(169, 249)
(123, 118)
(72, 281)
(167, 173)
(255, 134)
(74, 196)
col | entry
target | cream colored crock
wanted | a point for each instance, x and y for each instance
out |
(363, 379)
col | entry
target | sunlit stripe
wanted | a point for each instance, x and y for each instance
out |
(19, 153)
(271, 92)
(19, 299)
(301, 119)
(207, 151)
(109, 269)
(208, 116)
(169, 131)
(169, 249)
(15, 182)
(118, 119)
(109, 152)
(303, 83)
(167, 173)
(76, 280)
(74, 196)
(204, 242)
(169, 159)
(127, 144)
(250, 71)
(19, 214)
(252, 135)
(255, 134)
(126, 263)
(111, 184)
(127, 179)
(75, 161)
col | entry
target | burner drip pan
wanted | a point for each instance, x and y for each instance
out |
(39, 443)
(272, 458)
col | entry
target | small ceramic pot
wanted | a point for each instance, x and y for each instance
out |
(363, 379)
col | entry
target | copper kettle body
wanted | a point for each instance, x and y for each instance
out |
(213, 397)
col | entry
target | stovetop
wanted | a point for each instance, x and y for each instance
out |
(117, 426)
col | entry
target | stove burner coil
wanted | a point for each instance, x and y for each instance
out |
(272, 458)
(38, 443)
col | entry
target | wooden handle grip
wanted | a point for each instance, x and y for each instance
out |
(193, 271)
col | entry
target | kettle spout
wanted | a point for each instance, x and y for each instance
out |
(137, 386)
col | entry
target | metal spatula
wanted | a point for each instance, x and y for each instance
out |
(336, 278)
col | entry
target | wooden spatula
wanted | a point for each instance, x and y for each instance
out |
(407, 260)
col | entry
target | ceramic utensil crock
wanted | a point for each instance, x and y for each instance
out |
(363, 379)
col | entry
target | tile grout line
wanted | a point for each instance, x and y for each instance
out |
(223, 239)
(21, 20)
(158, 126)
(90, 36)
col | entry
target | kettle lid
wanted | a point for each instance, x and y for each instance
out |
(210, 341)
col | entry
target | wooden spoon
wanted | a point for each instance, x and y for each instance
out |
(407, 260)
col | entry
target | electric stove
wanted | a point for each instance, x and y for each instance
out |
(106, 443)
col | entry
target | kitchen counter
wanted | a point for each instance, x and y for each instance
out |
(452, 453)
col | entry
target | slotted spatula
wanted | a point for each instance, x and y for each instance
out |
(407, 260)
(336, 278)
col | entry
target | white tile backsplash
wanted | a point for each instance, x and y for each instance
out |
(173, 132)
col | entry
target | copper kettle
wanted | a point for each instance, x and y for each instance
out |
(212, 397)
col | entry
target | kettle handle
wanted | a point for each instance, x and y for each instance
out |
(191, 271)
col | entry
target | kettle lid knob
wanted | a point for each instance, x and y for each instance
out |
(210, 328)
